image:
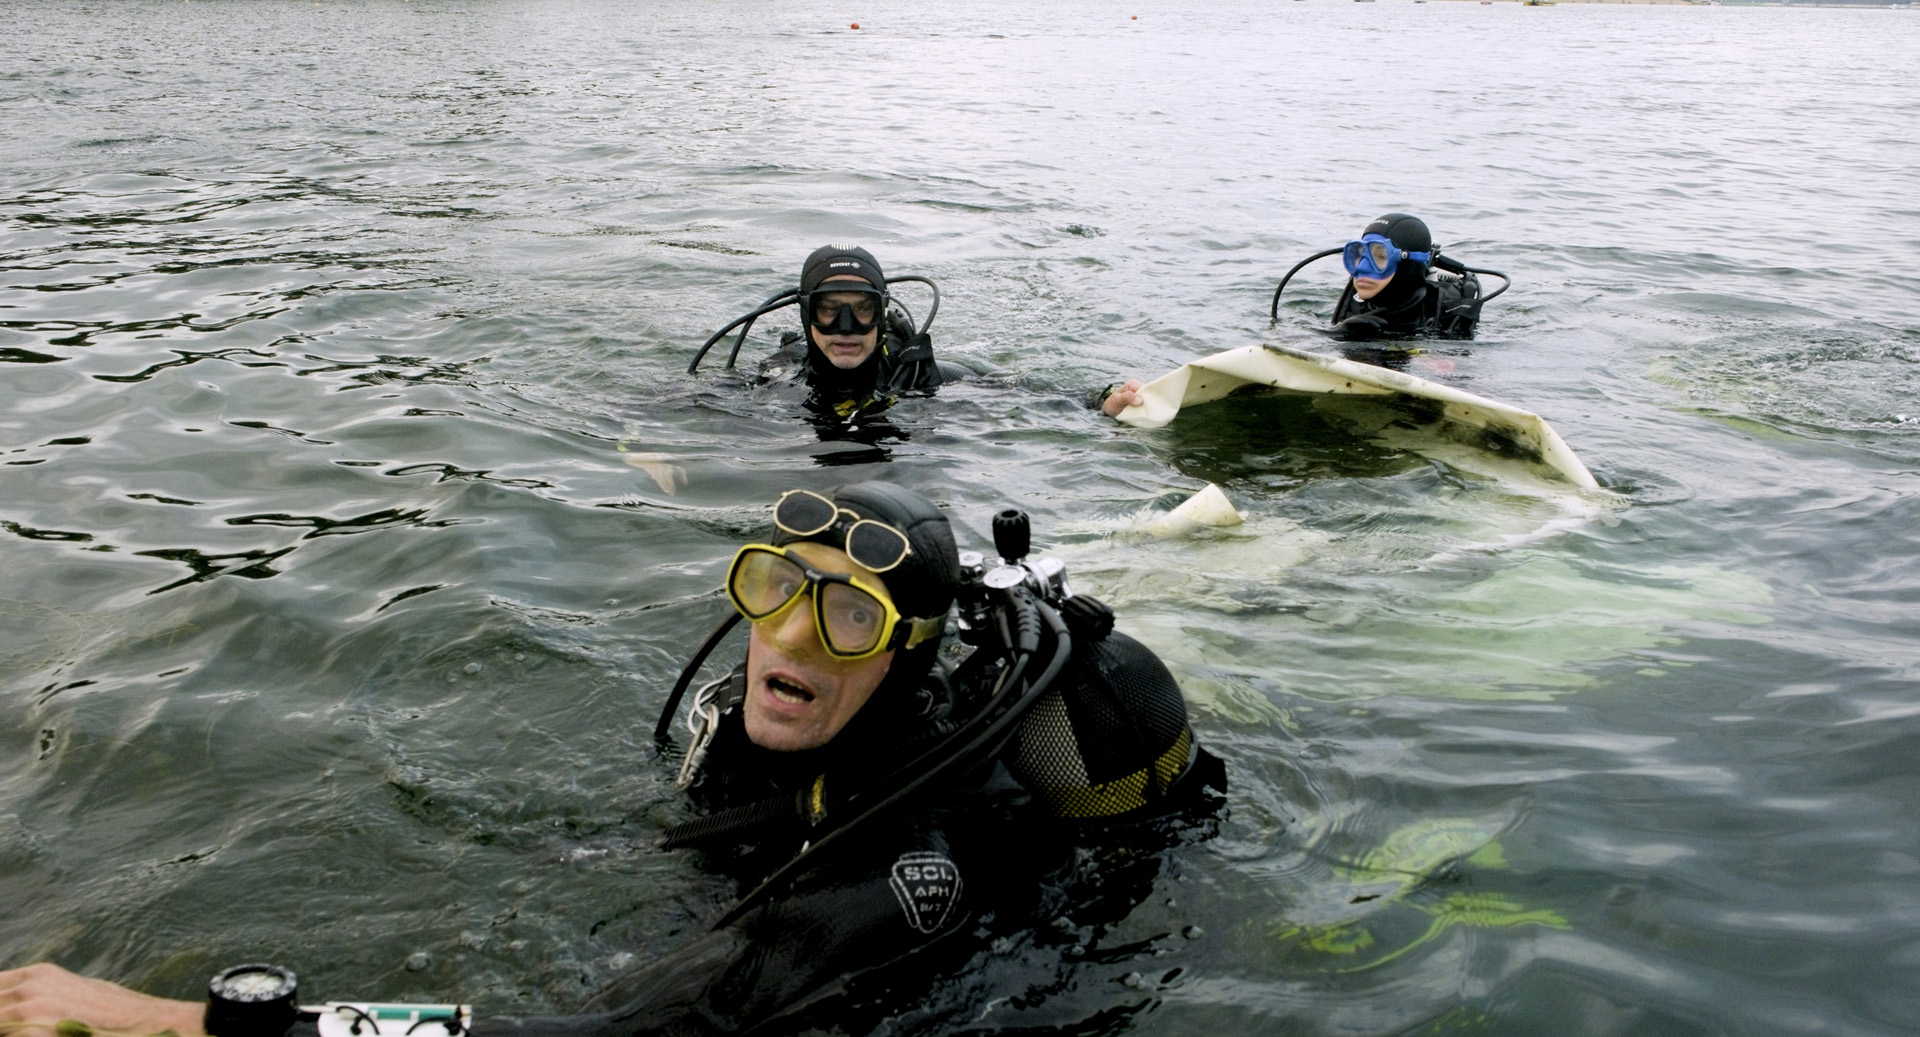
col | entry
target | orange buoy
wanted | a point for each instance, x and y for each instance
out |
(1136, 17)
(856, 25)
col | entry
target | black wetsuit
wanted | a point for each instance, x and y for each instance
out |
(919, 889)
(898, 892)
(904, 363)
(1445, 305)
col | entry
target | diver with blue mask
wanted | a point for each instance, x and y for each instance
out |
(1400, 286)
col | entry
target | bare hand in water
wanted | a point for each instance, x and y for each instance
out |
(36, 999)
(1122, 398)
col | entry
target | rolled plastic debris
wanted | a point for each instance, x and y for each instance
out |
(1208, 508)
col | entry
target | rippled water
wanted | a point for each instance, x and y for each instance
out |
(335, 618)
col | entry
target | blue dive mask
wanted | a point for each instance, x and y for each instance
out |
(1375, 257)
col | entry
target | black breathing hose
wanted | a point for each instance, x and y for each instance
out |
(786, 298)
(1274, 310)
(932, 311)
(746, 318)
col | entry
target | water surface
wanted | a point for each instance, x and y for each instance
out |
(335, 619)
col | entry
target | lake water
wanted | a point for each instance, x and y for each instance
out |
(335, 620)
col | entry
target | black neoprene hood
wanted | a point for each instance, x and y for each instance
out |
(836, 260)
(1408, 233)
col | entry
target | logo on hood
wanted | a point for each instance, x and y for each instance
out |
(928, 887)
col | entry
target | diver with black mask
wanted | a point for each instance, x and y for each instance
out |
(891, 803)
(857, 350)
(1400, 286)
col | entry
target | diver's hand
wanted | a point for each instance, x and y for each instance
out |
(33, 1000)
(1123, 397)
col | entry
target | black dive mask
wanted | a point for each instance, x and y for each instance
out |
(843, 317)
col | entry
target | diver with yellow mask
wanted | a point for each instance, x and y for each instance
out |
(921, 752)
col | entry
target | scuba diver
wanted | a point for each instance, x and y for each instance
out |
(857, 349)
(1400, 286)
(890, 801)
(856, 354)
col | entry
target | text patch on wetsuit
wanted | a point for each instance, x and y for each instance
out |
(927, 886)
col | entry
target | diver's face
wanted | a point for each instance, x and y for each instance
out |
(845, 351)
(1367, 287)
(798, 696)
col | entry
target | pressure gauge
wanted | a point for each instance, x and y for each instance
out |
(1005, 577)
(253, 1000)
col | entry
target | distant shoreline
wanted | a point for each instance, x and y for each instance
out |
(1673, 3)
(1868, 4)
